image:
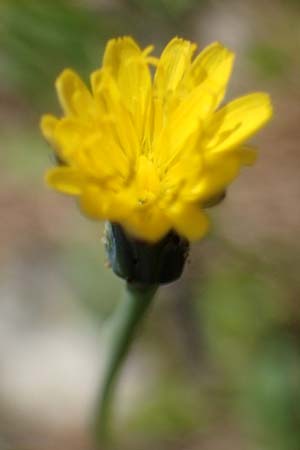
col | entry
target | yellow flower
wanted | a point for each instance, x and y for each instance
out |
(150, 153)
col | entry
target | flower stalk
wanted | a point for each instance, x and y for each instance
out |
(125, 322)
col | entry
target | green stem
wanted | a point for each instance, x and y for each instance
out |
(126, 319)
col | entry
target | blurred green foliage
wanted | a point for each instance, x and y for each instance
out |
(169, 8)
(238, 307)
(270, 396)
(39, 39)
(269, 61)
(172, 408)
(95, 286)
(248, 339)
(25, 154)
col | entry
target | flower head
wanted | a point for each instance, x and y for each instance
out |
(151, 153)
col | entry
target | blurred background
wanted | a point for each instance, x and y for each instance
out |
(217, 364)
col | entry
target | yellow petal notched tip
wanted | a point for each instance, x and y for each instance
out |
(67, 84)
(149, 152)
(48, 125)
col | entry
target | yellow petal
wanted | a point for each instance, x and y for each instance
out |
(237, 121)
(103, 157)
(188, 220)
(96, 80)
(118, 51)
(149, 224)
(174, 61)
(184, 174)
(123, 125)
(99, 203)
(213, 67)
(65, 179)
(93, 202)
(184, 123)
(245, 155)
(48, 126)
(72, 92)
(221, 170)
(134, 83)
(69, 136)
(147, 179)
(217, 176)
(129, 67)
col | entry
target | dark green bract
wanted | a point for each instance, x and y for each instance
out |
(144, 263)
